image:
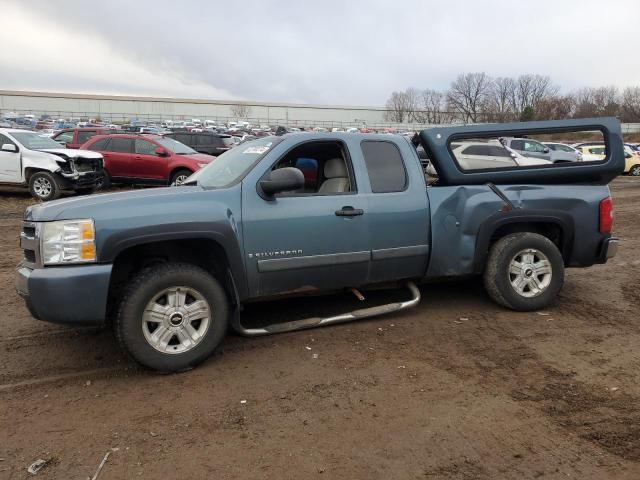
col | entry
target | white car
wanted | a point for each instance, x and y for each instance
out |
(564, 152)
(29, 159)
(480, 155)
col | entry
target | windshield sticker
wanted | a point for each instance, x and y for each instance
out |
(256, 150)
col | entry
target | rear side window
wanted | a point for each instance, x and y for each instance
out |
(83, 136)
(204, 139)
(64, 137)
(98, 145)
(517, 145)
(121, 145)
(384, 165)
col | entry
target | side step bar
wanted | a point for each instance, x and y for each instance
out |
(321, 322)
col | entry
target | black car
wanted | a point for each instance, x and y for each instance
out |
(204, 142)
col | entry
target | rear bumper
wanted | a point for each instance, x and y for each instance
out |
(609, 249)
(72, 294)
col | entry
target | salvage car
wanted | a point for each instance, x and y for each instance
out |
(171, 268)
(144, 159)
(30, 159)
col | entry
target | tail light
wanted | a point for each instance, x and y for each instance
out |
(606, 215)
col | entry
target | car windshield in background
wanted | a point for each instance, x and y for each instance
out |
(34, 141)
(233, 165)
(175, 146)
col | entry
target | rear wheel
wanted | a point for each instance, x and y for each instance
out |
(43, 186)
(180, 176)
(172, 317)
(524, 271)
(635, 171)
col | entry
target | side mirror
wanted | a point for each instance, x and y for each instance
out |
(9, 147)
(545, 150)
(282, 180)
(162, 152)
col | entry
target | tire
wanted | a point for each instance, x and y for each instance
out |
(635, 171)
(105, 183)
(166, 351)
(43, 186)
(179, 175)
(524, 271)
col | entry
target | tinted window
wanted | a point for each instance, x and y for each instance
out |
(385, 167)
(204, 139)
(98, 145)
(121, 145)
(182, 138)
(64, 137)
(144, 147)
(476, 150)
(517, 145)
(496, 151)
(85, 135)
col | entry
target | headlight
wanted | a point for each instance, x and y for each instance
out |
(202, 165)
(68, 241)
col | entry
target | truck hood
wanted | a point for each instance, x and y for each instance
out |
(98, 205)
(70, 153)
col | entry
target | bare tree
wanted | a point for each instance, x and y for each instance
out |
(396, 108)
(597, 102)
(531, 89)
(412, 100)
(500, 107)
(240, 110)
(468, 95)
(555, 108)
(631, 104)
(433, 105)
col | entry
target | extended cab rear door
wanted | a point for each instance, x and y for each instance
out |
(397, 216)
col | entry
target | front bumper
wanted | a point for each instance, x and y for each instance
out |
(609, 249)
(70, 294)
(80, 180)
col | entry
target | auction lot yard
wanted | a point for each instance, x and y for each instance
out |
(456, 388)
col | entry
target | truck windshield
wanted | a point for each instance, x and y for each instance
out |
(233, 165)
(33, 141)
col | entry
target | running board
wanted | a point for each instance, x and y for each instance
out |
(321, 322)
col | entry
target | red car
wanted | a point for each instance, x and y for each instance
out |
(74, 137)
(146, 159)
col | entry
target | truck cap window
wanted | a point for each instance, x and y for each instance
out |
(384, 165)
(525, 151)
(230, 167)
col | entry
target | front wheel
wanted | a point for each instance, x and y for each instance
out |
(524, 271)
(180, 176)
(635, 171)
(43, 186)
(172, 317)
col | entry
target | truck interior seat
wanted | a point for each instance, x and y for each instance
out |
(337, 177)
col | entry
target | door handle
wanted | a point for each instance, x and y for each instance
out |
(349, 212)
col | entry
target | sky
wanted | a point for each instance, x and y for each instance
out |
(349, 52)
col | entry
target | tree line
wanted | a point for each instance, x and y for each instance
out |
(478, 97)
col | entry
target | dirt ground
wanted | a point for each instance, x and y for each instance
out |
(457, 388)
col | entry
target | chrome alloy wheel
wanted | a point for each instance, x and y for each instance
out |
(180, 179)
(42, 186)
(530, 272)
(176, 320)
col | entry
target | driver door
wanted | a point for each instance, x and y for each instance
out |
(10, 162)
(303, 240)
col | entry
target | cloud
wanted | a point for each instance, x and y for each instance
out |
(334, 51)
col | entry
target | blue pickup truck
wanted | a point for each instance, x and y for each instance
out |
(171, 268)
